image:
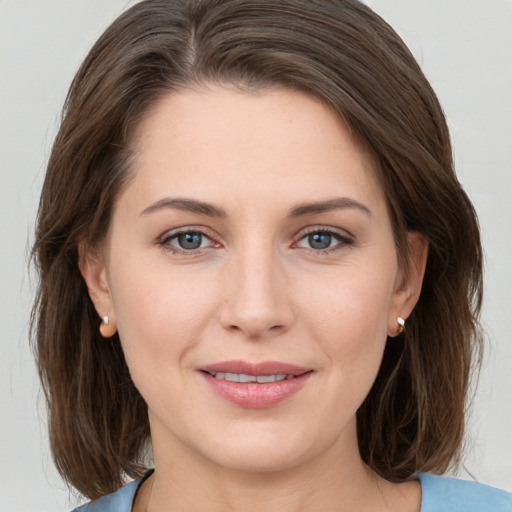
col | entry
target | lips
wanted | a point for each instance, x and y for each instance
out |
(263, 368)
(255, 385)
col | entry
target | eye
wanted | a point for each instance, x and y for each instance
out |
(187, 241)
(322, 240)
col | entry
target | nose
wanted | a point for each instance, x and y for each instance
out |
(256, 293)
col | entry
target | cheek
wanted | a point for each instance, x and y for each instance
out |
(160, 316)
(349, 320)
(350, 304)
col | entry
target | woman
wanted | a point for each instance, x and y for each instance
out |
(257, 265)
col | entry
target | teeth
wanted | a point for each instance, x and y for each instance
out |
(266, 378)
(246, 378)
(242, 377)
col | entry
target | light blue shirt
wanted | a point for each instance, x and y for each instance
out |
(443, 494)
(439, 494)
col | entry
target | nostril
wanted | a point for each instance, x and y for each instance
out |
(256, 318)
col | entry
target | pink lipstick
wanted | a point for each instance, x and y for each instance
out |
(255, 385)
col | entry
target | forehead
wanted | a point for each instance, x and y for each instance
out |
(214, 111)
(257, 143)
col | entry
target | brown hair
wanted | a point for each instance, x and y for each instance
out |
(339, 51)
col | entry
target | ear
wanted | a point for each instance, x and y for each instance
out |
(409, 281)
(92, 265)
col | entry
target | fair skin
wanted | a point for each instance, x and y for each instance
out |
(291, 260)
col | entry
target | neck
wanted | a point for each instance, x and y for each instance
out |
(334, 480)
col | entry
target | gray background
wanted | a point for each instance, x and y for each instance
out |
(465, 48)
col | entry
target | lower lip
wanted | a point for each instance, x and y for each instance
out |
(256, 396)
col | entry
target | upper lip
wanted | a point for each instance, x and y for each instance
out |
(261, 368)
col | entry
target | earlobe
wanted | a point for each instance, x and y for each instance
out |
(93, 269)
(408, 289)
(107, 329)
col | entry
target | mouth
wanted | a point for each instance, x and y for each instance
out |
(243, 377)
(261, 369)
(255, 386)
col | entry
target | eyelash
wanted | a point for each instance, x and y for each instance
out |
(165, 241)
(342, 241)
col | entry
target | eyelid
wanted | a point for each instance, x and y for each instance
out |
(164, 239)
(343, 236)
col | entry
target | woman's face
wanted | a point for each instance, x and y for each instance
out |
(253, 244)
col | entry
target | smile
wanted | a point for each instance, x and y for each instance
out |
(255, 385)
(242, 377)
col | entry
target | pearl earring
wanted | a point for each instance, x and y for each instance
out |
(401, 325)
(107, 330)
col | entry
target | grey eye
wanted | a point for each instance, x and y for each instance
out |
(320, 240)
(323, 240)
(189, 241)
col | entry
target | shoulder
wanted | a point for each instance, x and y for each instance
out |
(119, 501)
(440, 494)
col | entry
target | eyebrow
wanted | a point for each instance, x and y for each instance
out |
(327, 206)
(187, 205)
(209, 210)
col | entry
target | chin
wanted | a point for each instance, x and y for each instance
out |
(266, 450)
